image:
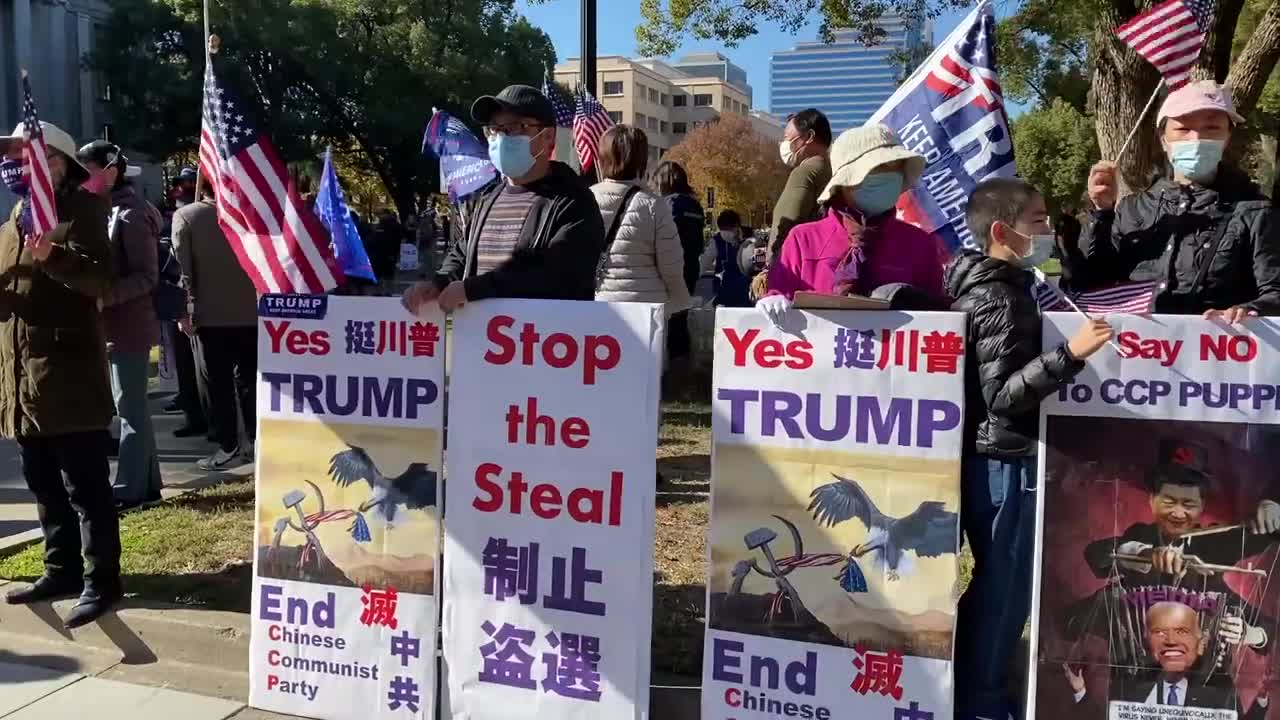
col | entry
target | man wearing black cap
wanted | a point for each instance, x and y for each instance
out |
(538, 234)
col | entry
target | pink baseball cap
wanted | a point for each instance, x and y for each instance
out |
(1196, 96)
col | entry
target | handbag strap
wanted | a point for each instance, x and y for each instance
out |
(612, 235)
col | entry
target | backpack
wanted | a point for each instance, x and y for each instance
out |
(168, 298)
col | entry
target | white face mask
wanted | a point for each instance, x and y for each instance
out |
(789, 156)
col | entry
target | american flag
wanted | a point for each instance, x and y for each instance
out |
(35, 165)
(564, 113)
(590, 120)
(278, 239)
(1130, 298)
(1170, 36)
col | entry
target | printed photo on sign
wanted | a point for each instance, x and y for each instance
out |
(349, 505)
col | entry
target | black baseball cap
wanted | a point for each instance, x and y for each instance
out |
(521, 100)
(105, 155)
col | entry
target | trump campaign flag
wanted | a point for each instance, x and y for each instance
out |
(951, 111)
(331, 207)
(464, 160)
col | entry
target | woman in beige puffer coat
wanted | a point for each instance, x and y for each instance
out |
(646, 261)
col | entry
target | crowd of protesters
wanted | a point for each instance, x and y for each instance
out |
(90, 303)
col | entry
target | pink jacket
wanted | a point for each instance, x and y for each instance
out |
(895, 252)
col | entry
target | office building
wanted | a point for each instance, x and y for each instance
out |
(667, 99)
(846, 80)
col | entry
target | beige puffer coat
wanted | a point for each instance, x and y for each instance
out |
(646, 261)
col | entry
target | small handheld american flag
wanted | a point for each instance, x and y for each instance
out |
(564, 113)
(1136, 298)
(35, 165)
(590, 121)
(1170, 36)
(278, 239)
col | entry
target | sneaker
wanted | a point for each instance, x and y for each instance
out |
(44, 590)
(220, 460)
(250, 453)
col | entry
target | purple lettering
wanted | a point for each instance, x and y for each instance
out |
(898, 415)
(935, 416)
(777, 407)
(269, 598)
(738, 400)
(813, 417)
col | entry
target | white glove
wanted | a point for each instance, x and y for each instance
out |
(775, 307)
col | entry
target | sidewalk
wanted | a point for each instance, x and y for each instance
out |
(178, 456)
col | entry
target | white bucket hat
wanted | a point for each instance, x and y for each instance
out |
(56, 138)
(859, 151)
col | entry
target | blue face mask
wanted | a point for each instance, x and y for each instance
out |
(1196, 159)
(11, 174)
(878, 193)
(512, 154)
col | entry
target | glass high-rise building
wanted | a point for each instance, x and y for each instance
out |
(846, 80)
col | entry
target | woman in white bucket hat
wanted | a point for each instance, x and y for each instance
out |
(859, 244)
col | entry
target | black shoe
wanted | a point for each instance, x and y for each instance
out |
(44, 590)
(172, 408)
(189, 431)
(91, 606)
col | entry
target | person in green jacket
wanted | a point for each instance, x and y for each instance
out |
(805, 146)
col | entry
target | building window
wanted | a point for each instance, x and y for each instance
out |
(662, 99)
(653, 123)
(653, 96)
(679, 128)
(616, 117)
(662, 126)
(679, 100)
(640, 120)
(639, 91)
(725, 104)
(613, 87)
(702, 100)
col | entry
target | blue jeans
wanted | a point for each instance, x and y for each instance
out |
(138, 469)
(998, 513)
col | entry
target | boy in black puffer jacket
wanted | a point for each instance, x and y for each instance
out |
(1007, 375)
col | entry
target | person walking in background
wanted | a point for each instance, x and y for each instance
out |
(806, 143)
(224, 321)
(388, 235)
(860, 244)
(55, 398)
(642, 260)
(129, 315)
(724, 256)
(673, 184)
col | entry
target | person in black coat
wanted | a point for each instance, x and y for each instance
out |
(673, 183)
(1007, 375)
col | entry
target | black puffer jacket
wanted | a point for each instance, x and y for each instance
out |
(1006, 374)
(1167, 234)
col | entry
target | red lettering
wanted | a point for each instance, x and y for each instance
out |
(276, 332)
(733, 697)
(320, 343)
(555, 359)
(506, 346)
(296, 341)
(575, 433)
(516, 486)
(543, 496)
(484, 483)
(595, 361)
(528, 339)
(769, 354)
(1239, 348)
(273, 680)
(740, 344)
(273, 632)
(1129, 344)
(799, 355)
(615, 498)
(273, 657)
(594, 513)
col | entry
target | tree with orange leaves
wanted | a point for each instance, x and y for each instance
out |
(743, 166)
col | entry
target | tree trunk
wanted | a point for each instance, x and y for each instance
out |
(1122, 84)
(1215, 59)
(1251, 69)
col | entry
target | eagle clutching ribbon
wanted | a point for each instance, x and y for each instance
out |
(414, 489)
(930, 531)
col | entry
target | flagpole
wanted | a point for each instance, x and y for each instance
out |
(1155, 94)
(207, 60)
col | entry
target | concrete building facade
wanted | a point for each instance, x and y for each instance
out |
(846, 80)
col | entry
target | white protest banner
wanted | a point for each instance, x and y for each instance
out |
(350, 437)
(835, 494)
(1157, 531)
(548, 584)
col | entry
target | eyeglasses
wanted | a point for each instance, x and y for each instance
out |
(516, 128)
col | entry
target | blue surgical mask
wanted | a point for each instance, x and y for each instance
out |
(512, 154)
(11, 174)
(1196, 159)
(1039, 250)
(878, 193)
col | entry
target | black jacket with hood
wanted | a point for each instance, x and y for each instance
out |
(1206, 247)
(556, 254)
(1006, 374)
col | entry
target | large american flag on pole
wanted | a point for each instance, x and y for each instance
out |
(1170, 36)
(278, 239)
(35, 165)
(590, 121)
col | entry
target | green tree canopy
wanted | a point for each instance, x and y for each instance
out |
(1055, 147)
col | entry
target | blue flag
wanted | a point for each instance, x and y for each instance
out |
(331, 207)
(464, 160)
(951, 111)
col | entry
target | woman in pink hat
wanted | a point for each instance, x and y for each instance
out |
(1204, 233)
(859, 244)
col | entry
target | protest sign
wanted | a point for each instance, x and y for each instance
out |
(350, 437)
(834, 515)
(550, 509)
(1156, 534)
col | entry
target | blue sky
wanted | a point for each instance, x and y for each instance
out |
(559, 19)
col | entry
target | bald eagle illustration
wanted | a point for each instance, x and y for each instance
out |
(930, 531)
(415, 488)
